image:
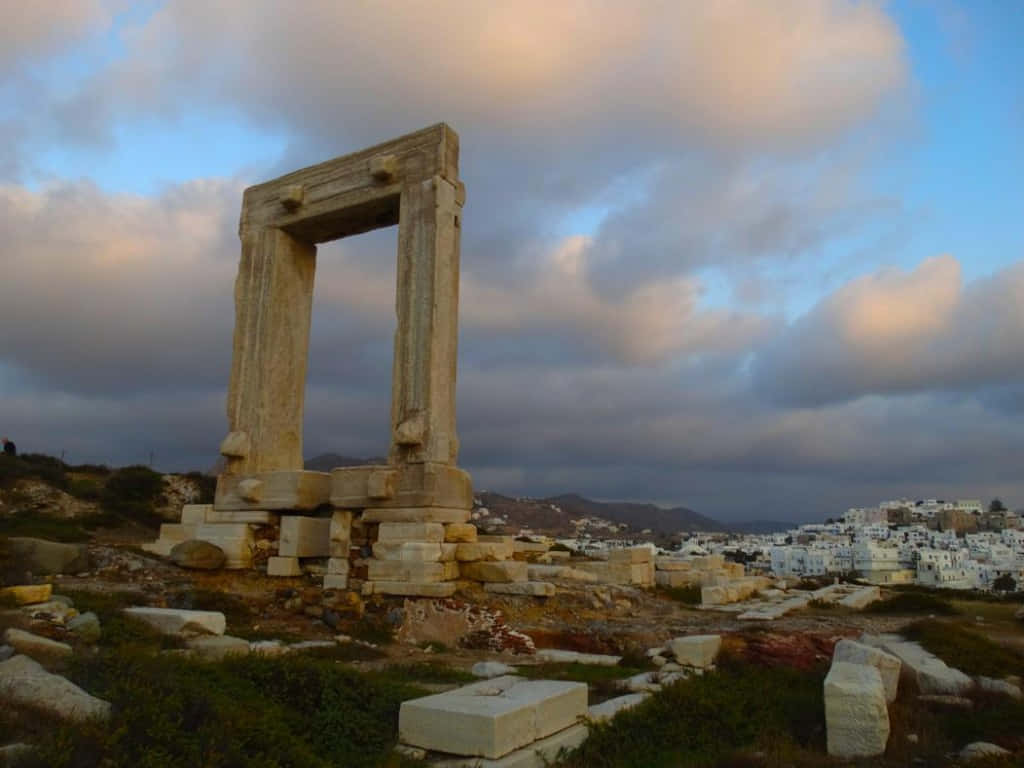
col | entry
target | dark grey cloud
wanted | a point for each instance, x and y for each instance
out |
(895, 332)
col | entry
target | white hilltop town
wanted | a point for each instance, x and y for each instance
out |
(930, 542)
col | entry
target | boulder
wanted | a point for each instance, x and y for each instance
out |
(86, 627)
(490, 669)
(200, 555)
(856, 717)
(34, 645)
(980, 749)
(697, 651)
(23, 681)
(556, 656)
(994, 685)
(888, 666)
(27, 594)
(47, 557)
(171, 621)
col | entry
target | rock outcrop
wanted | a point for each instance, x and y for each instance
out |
(24, 682)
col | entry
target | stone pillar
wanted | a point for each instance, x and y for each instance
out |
(426, 338)
(273, 307)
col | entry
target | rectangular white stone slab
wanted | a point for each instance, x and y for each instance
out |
(193, 514)
(283, 566)
(415, 551)
(170, 621)
(606, 710)
(696, 650)
(493, 717)
(856, 717)
(539, 754)
(402, 532)
(888, 666)
(303, 536)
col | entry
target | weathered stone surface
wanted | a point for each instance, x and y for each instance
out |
(559, 572)
(335, 581)
(403, 532)
(409, 570)
(606, 710)
(217, 647)
(194, 514)
(861, 598)
(856, 717)
(444, 515)
(492, 718)
(250, 516)
(430, 484)
(489, 669)
(697, 651)
(272, 490)
(415, 551)
(672, 564)
(1004, 687)
(24, 681)
(412, 589)
(530, 588)
(460, 533)
(171, 621)
(234, 539)
(27, 594)
(200, 555)
(303, 536)
(631, 555)
(509, 570)
(980, 749)
(86, 627)
(337, 565)
(888, 666)
(674, 578)
(946, 701)
(557, 656)
(283, 566)
(34, 645)
(482, 550)
(932, 674)
(48, 557)
(340, 533)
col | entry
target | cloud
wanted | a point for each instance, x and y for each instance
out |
(33, 30)
(117, 294)
(896, 331)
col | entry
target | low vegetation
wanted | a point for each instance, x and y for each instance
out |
(965, 649)
(705, 720)
(257, 712)
(904, 603)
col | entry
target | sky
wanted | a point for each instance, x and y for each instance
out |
(764, 260)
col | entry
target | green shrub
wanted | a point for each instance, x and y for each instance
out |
(913, 602)
(254, 712)
(35, 465)
(38, 527)
(965, 649)
(704, 720)
(132, 492)
(85, 488)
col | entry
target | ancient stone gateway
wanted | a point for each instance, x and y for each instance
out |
(411, 181)
(412, 512)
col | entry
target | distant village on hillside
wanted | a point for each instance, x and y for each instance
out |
(931, 542)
